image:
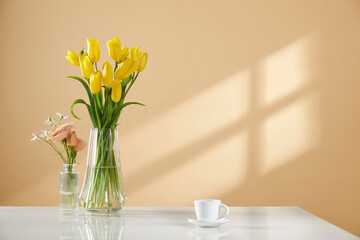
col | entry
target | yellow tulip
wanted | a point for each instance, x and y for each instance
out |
(114, 47)
(93, 50)
(143, 61)
(126, 68)
(73, 57)
(122, 69)
(108, 74)
(135, 54)
(124, 53)
(86, 65)
(95, 82)
(116, 91)
(134, 66)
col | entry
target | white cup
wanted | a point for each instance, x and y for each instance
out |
(208, 209)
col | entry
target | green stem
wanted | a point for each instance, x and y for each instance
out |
(116, 66)
(97, 114)
(131, 83)
(55, 148)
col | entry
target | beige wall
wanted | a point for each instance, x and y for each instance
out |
(252, 102)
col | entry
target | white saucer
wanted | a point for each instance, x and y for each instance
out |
(209, 224)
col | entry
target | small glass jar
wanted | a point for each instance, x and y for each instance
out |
(69, 189)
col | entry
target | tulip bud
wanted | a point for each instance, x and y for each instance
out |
(143, 61)
(114, 47)
(124, 53)
(95, 82)
(81, 144)
(107, 74)
(86, 65)
(73, 57)
(93, 50)
(116, 91)
(71, 139)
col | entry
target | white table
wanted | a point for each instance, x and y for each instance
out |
(265, 223)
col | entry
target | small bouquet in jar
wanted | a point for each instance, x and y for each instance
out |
(66, 144)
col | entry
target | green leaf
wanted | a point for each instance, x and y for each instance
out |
(79, 101)
(131, 103)
(85, 85)
(90, 95)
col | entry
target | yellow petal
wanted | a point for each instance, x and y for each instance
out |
(93, 50)
(73, 57)
(95, 82)
(108, 74)
(86, 65)
(116, 91)
(143, 61)
(132, 68)
(114, 47)
(135, 53)
(124, 53)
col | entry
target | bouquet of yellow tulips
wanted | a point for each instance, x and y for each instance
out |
(106, 90)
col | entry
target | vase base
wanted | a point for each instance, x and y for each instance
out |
(103, 210)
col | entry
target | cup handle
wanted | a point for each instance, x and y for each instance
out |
(226, 210)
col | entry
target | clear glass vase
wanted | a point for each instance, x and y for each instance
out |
(69, 189)
(103, 188)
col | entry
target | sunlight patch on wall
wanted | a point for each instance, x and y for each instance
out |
(216, 171)
(291, 132)
(287, 70)
(189, 122)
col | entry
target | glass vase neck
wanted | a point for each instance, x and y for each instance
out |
(69, 167)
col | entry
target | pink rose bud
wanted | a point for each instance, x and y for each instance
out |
(81, 144)
(60, 132)
(71, 139)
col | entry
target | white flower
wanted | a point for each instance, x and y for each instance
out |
(50, 122)
(44, 134)
(35, 137)
(61, 116)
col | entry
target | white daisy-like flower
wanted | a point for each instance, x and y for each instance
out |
(35, 137)
(65, 117)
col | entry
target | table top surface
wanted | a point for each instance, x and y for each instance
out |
(165, 223)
